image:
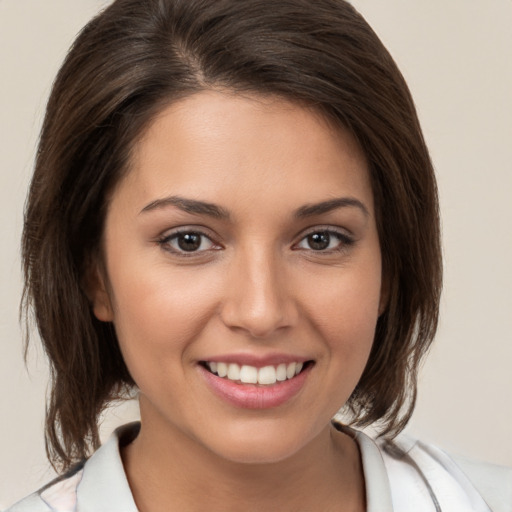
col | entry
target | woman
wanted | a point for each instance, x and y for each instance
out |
(233, 211)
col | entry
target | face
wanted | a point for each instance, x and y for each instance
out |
(242, 241)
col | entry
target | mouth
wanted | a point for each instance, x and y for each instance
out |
(265, 376)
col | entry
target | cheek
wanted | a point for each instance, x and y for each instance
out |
(158, 312)
(345, 311)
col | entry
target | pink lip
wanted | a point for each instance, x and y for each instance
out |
(252, 396)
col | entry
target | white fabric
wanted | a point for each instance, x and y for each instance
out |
(61, 497)
(426, 476)
(400, 476)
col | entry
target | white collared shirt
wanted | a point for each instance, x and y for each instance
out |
(404, 475)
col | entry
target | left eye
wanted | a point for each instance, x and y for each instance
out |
(187, 241)
(323, 241)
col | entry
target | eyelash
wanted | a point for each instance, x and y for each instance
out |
(345, 241)
(165, 241)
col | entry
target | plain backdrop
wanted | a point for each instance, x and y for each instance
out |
(457, 58)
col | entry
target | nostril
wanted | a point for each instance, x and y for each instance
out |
(258, 302)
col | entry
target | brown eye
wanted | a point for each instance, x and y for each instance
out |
(326, 241)
(189, 241)
(319, 241)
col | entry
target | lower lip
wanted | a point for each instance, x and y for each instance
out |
(250, 396)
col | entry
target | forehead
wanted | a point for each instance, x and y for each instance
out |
(231, 149)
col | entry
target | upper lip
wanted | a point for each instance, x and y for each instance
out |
(258, 361)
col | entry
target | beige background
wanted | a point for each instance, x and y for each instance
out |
(457, 58)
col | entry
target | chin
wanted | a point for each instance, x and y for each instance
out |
(242, 453)
(263, 444)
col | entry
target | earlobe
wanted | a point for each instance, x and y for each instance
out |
(382, 305)
(102, 308)
(99, 298)
(384, 296)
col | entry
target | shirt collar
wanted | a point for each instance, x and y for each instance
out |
(378, 488)
(104, 486)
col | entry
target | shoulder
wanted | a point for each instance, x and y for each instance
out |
(492, 481)
(98, 484)
(480, 486)
(57, 496)
(32, 503)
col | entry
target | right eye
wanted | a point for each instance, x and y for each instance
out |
(186, 242)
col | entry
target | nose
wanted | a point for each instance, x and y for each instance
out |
(258, 298)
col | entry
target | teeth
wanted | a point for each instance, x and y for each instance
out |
(233, 371)
(281, 372)
(266, 376)
(222, 369)
(290, 370)
(249, 375)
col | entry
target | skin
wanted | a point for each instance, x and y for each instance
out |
(255, 286)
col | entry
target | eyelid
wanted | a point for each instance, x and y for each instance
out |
(326, 228)
(346, 238)
(170, 234)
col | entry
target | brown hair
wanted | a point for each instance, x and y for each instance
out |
(131, 60)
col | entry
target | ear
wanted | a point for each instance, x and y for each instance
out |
(96, 290)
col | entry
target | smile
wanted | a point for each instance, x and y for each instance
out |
(246, 374)
(255, 387)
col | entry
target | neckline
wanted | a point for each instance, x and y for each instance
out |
(105, 484)
(376, 480)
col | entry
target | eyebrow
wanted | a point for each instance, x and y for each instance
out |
(212, 210)
(310, 210)
(189, 206)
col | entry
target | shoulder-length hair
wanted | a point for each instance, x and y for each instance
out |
(136, 57)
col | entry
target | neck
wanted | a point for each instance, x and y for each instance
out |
(167, 471)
